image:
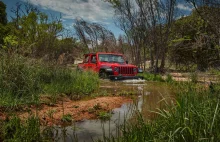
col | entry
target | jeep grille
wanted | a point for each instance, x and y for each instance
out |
(126, 70)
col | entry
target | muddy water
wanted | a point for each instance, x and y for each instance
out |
(151, 95)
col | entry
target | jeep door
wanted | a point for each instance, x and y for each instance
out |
(93, 63)
(86, 62)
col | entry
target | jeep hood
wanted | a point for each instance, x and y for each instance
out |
(117, 64)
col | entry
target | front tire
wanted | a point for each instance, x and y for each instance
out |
(103, 74)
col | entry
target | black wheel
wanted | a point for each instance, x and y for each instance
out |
(103, 74)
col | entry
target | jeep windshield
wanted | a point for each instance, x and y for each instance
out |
(111, 58)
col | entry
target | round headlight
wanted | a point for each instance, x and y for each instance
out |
(116, 69)
(135, 69)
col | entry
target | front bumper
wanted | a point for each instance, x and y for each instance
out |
(114, 77)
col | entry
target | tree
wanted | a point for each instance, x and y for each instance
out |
(94, 36)
(35, 32)
(3, 22)
(146, 24)
(194, 43)
(127, 18)
(209, 11)
(3, 14)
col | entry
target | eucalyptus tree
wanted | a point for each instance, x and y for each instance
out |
(79, 30)
(127, 18)
(94, 36)
(146, 23)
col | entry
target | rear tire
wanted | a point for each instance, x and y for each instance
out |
(78, 69)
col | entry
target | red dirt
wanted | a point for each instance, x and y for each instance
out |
(79, 110)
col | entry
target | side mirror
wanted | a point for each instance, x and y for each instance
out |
(126, 62)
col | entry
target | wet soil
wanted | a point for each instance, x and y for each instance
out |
(51, 113)
(78, 110)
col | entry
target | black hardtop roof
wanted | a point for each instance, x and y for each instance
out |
(93, 53)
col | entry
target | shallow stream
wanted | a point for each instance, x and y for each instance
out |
(151, 95)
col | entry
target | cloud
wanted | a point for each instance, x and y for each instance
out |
(91, 10)
(184, 7)
(181, 16)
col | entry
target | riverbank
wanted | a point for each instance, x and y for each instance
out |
(77, 110)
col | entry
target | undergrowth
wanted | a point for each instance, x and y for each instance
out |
(22, 81)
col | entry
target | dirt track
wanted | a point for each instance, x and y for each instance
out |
(202, 77)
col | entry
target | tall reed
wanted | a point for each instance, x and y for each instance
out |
(19, 82)
(23, 81)
(193, 116)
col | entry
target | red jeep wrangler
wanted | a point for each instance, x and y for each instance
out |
(109, 65)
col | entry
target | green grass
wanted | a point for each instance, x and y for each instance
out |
(67, 118)
(194, 116)
(169, 78)
(104, 115)
(66, 81)
(15, 130)
(22, 81)
(19, 83)
(152, 77)
(214, 71)
(194, 77)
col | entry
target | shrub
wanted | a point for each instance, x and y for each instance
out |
(194, 77)
(152, 77)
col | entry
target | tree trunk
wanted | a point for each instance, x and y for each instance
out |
(151, 58)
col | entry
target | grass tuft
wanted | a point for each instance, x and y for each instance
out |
(152, 77)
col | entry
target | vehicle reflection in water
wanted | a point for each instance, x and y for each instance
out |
(151, 96)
